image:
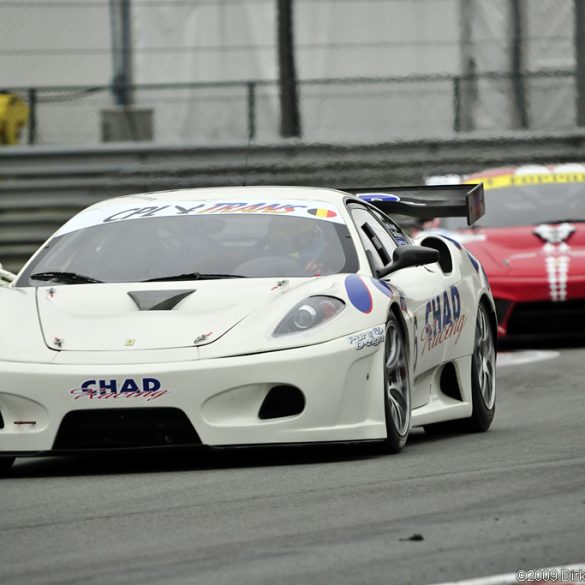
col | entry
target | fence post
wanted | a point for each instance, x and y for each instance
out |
(580, 60)
(32, 116)
(457, 104)
(120, 31)
(251, 110)
(290, 122)
(517, 66)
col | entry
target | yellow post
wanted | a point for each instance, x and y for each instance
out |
(13, 117)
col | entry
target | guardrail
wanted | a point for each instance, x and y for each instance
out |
(42, 187)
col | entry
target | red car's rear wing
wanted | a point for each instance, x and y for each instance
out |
(428, 201)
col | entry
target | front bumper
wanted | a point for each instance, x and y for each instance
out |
(221, 398)
(534, 308)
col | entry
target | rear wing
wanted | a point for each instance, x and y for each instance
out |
(427, 201)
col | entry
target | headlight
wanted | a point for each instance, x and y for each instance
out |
(309, 313)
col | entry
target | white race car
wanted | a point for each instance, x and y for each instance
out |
(246, 316)
(5, 277)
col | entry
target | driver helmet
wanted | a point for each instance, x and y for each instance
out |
(299, 238)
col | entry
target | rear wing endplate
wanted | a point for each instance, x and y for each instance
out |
(427, 201)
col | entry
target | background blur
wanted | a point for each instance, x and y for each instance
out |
(206, 71)
(108, 97)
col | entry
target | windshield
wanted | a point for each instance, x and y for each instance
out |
(528, 205)
(197, 247)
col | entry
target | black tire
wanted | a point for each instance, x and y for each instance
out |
(397, 404)
(483, 383)
(6, 464)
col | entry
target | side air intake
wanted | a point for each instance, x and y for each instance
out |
(449, 383)
(282, 401)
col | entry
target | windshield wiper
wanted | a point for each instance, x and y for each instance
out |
(70, 277)
(194, 276)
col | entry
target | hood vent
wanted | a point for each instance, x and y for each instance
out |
(158, 300)
(554, 234)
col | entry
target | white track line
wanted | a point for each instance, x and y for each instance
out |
(518, 358)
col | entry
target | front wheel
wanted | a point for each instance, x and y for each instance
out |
(396, 387)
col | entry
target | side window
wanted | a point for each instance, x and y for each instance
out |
(396, 233)
(377, 242)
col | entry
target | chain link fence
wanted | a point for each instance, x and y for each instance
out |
(334, 110)
(368, 70)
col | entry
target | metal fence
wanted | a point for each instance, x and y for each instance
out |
(354, 110)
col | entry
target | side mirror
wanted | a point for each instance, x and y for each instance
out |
(407, 256)
(6, 277)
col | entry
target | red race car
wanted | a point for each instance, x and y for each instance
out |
(531, 244)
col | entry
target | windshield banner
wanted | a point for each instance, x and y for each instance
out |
(319, 210)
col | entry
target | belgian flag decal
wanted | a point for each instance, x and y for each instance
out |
(321, 212)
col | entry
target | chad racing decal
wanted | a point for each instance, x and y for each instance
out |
(133, 211)
(368, 338)
(443, 320)
(146, 389)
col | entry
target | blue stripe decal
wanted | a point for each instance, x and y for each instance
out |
(473, 260)
(383, 286)
(358, 293)
(458, 244)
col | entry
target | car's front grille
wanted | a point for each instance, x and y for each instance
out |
(125, 427)
(548, 318)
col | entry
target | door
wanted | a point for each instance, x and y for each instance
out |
(421, 289)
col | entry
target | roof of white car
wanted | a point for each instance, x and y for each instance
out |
(251, 192)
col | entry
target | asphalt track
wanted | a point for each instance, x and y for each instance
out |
(445, 509)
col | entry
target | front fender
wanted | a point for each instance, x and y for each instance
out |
(367, 302)
(21, 339)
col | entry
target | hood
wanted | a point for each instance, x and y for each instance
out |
(139, 316)
(526, 251)
(21, 339)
